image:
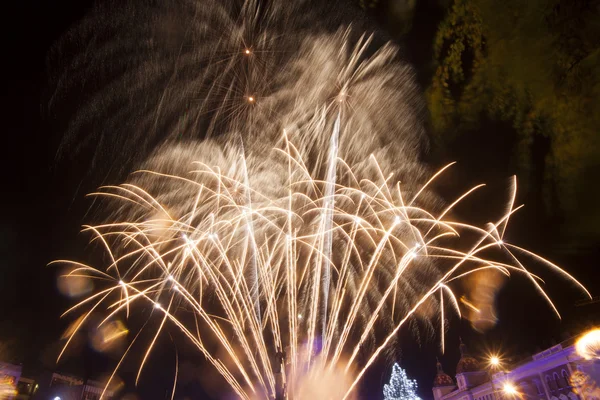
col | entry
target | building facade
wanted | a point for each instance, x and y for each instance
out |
(49, 386)
(13, 385)
(57, 386)
(557, 373)
(9, 376)
(26, 388)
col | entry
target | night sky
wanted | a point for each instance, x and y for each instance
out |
(43, 208)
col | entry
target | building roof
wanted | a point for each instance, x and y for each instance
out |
(441, 378)
(466, 362)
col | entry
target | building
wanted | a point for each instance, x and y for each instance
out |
(557, 373)
(26, 388)
(9, 376)
(92, 390)
(13, 385)
(57, 386)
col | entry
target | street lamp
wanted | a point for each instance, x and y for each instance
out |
(510, 389)
(494, 364)
(588, 345)
(494, 361)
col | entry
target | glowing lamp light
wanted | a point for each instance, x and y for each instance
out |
(510, 389)
(57, 398)
(495, 361)
(251, 99)
(588, 345)
(247, 52)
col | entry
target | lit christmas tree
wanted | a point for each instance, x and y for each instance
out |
(400, 387)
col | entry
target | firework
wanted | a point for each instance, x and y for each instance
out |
(239, 72)
(320, 274)
(297, 235)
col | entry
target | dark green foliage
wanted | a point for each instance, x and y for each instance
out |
(536, 64)
(368, 4)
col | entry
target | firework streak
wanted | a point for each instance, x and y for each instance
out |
(301, 233)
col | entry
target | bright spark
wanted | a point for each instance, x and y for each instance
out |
(259, 275)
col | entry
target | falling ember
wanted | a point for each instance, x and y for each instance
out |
(109, 336)
(75, 286)
(482, 288)
(469, 305)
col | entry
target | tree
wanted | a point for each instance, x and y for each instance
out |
(535, 64)
(400, 387)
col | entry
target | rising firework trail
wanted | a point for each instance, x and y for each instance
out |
(278, 218)
(328, 217)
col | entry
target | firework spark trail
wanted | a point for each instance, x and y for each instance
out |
(189, 264)
(327, 224)
(268, 205)
(180, 71)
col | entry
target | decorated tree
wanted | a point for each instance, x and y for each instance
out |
(400, 387)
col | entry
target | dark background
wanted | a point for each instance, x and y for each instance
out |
(43, 208)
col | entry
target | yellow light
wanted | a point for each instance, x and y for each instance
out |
(510, 389)
(247, 51)
(251, 99)
(494, 361)
(588, 345)
(470, 305)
